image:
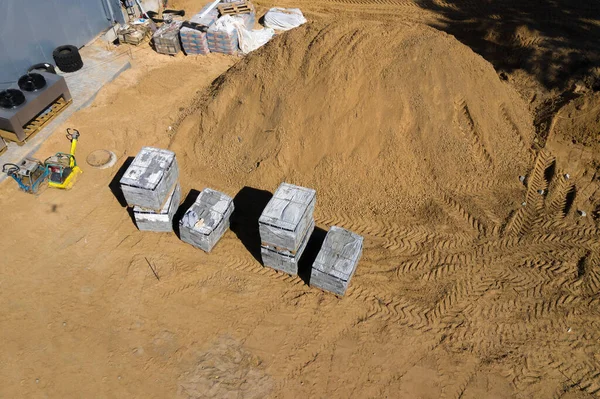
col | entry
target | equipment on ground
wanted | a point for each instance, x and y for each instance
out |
(62, 167)
(30, 104)
(29, 174)
(60, 170)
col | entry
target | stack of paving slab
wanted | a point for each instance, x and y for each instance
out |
(166, 38)
(336, 261)
(150, 187)
(285, 227)
(205, 222)
(194, 41)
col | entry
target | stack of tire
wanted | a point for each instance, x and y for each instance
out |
(67, 58)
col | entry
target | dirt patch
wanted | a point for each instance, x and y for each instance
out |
(226, 370)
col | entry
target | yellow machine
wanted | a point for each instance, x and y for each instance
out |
(62, 167)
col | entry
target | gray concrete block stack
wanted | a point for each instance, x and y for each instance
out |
(166, 38)
(150, 187)
(161, 221)
(285, 227)
(337, 260)
(205, 222)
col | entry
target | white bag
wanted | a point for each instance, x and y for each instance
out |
(226, 24)
(284, 18)
(250, 40)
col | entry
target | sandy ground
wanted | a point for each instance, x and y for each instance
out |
(462, 292)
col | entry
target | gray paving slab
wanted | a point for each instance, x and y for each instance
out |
(287, 216)
(150, 178)
(162, 221)
(205, 222)
(286, 261)
(336, 262)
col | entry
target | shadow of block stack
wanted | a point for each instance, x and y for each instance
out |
(166, 38)
(336, 261)
(226, 41)
(193, 34)
(150, 186)
(205, 222)
(285, 227)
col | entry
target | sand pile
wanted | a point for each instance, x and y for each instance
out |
(375, 118)
(579, 121)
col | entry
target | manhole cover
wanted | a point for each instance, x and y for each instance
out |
(101, 159)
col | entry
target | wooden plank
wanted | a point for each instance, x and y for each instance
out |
(37, 123)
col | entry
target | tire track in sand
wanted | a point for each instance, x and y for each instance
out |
(516, 131)
(558, 195)
(528, 217)
(455, 388)
(456, 210)
(467, 126)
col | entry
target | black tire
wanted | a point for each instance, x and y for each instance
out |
(72, 67)
(67, 58)
(42, 67)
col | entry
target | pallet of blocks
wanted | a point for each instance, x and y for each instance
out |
(150, 179)
(205, 222)
(336, 261)
(285, 227)
(193, 32)
(161, 221)
(222, 36)
(166, 38)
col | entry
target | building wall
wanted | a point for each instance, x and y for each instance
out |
(31, 29)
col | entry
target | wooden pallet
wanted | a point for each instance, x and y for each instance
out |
(3, 146)
(37, 123)
(235, 8)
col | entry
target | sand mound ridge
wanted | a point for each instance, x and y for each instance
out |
(579, 121)
(373, 117)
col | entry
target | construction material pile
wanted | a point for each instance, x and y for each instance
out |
(193, 33)
(205, 222)
(337, 260)
(285, 227)
(214, 29)
(286, 224)
(150, 185)
(225, 28)
(166, 38)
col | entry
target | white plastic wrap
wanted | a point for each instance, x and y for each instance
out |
(284, 18)
(226, 24)
(250, 40)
